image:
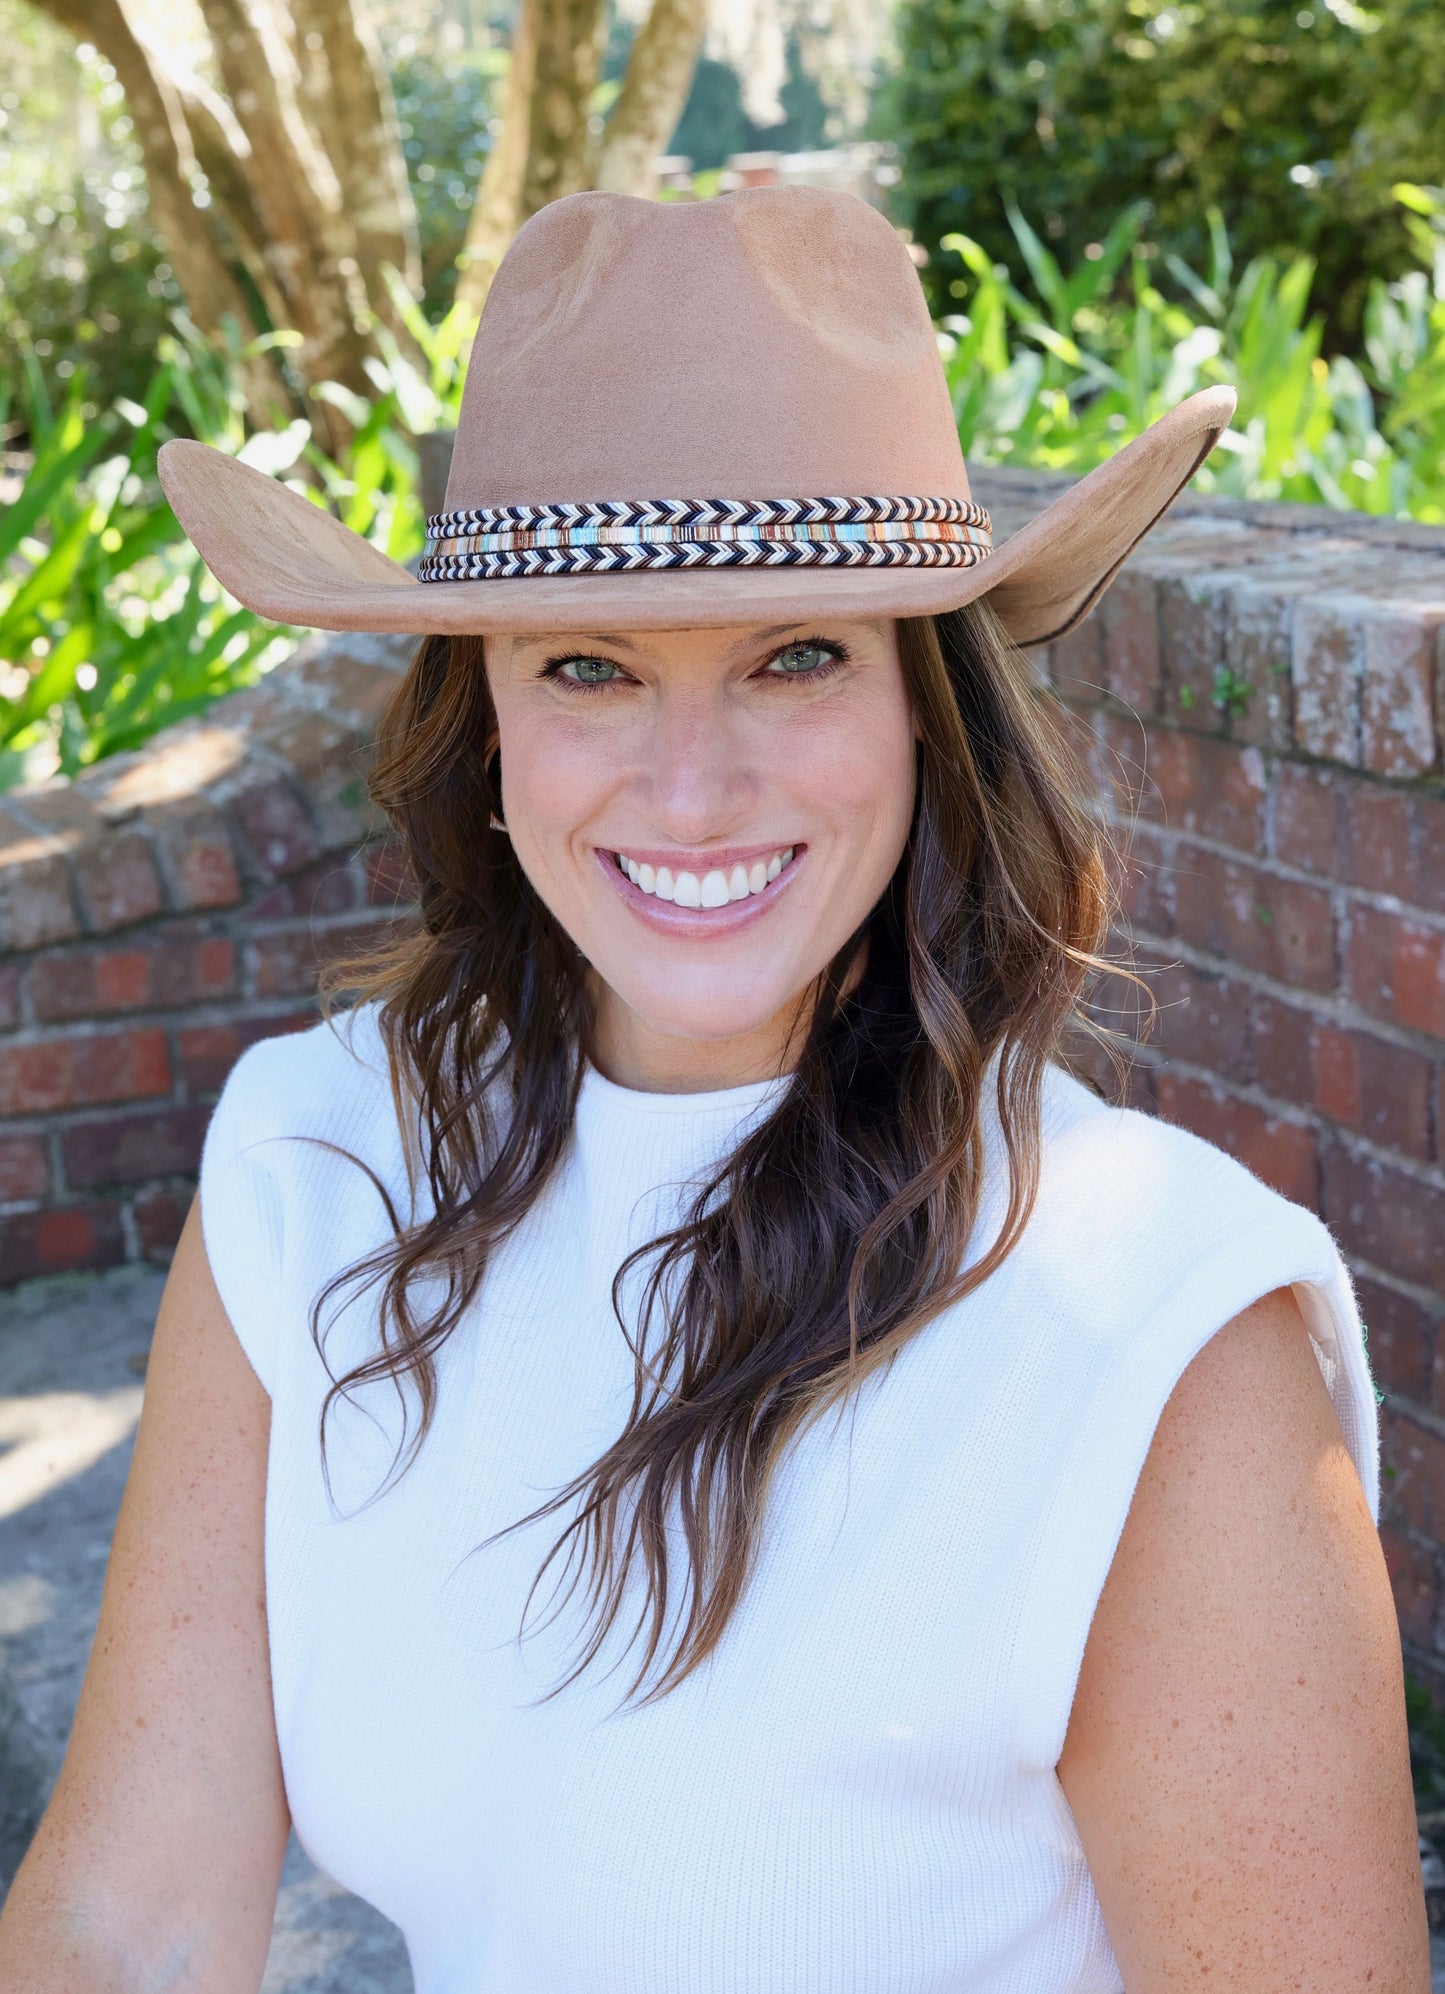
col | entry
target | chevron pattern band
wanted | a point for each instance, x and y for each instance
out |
(623, 536)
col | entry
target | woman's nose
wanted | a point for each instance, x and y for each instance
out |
(696, 768)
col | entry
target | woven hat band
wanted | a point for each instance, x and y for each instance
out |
(624, 536)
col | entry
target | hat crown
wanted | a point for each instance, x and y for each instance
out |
(773, 343)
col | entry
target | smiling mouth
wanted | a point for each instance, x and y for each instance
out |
(717, 887)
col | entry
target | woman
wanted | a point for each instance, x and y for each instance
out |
(768, 1484)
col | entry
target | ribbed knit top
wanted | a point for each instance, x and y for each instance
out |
(856, 1793)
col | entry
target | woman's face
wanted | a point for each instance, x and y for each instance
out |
(757, 786)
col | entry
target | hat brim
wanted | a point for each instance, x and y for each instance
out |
(292, 562)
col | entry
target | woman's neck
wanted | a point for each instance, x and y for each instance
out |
(633, 1053)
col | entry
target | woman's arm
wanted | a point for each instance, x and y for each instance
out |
(157, 1862)
(1236, 1759)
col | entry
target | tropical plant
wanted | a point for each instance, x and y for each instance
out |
(110, 624)
(1062, 378)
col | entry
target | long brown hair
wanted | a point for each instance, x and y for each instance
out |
(839, 1226)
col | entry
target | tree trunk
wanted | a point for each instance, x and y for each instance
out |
(654, 91)
(497, 206)
(297, 198)
(351, 110)
(560, 150)
(207, 283)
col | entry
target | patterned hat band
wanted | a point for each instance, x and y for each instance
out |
(621, 536)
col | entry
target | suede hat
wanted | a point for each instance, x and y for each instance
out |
(697, 413)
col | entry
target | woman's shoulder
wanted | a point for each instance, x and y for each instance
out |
(314, 1082)
(1137, 1181)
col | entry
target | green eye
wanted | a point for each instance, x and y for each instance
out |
(588, 671)
(799, 660)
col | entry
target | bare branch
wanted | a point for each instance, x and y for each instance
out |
(570, 36)
(496, 209)
(158, 116)
(349, 106)
(659, 75)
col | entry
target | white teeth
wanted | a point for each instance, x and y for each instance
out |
(716, 887)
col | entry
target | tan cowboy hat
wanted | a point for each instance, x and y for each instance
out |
(724, 411)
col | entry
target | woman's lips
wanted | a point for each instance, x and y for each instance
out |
(707, 880)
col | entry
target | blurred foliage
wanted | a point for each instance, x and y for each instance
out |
(110, 624)
(715, 124)
(1064, 373)
(83, 282)
(1293, 117)
(444, 107)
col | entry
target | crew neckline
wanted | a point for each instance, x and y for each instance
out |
(751, 1093)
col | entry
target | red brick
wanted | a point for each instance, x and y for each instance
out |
(86, 983)
(1280, 927)
(1144, 884)
(276, 828)
(1280, 1042)
(1397, 969)
(24, 1167)
(82, 1071)
(328, 888)
(1394, 1095)
(1393, 1220)
(195, 853)
(1129, 615)
(1281, 1152)
(1336, 1074)
(1328, 667)
(287, 962)
(36, 901)
(1415, 1493)
(205, 1054)
(1414, 1570)
(1191, 629)
(65, 1240)
(159, 1217)
(9, 997)
(1398, 720)
(390, 881)
(1427, 866)
(118, 881)
(1206, 786)
(1257, 657)
(1123, 750)
(130, 1148)
(1401, 1341)
(1311, 828)
(1203, 1019)
(1076, 661)
(1379, 835)
(1078, 744)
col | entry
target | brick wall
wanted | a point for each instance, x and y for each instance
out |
(1261, 698)
(156, 916)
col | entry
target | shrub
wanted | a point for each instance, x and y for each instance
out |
(1293, 117)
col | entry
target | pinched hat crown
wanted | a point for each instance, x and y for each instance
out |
(697, 413)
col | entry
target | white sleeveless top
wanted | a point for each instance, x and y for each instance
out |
(856, 1793)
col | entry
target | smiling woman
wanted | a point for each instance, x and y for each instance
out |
(683, 1449)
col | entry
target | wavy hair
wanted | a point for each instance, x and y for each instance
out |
(839, 1225)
